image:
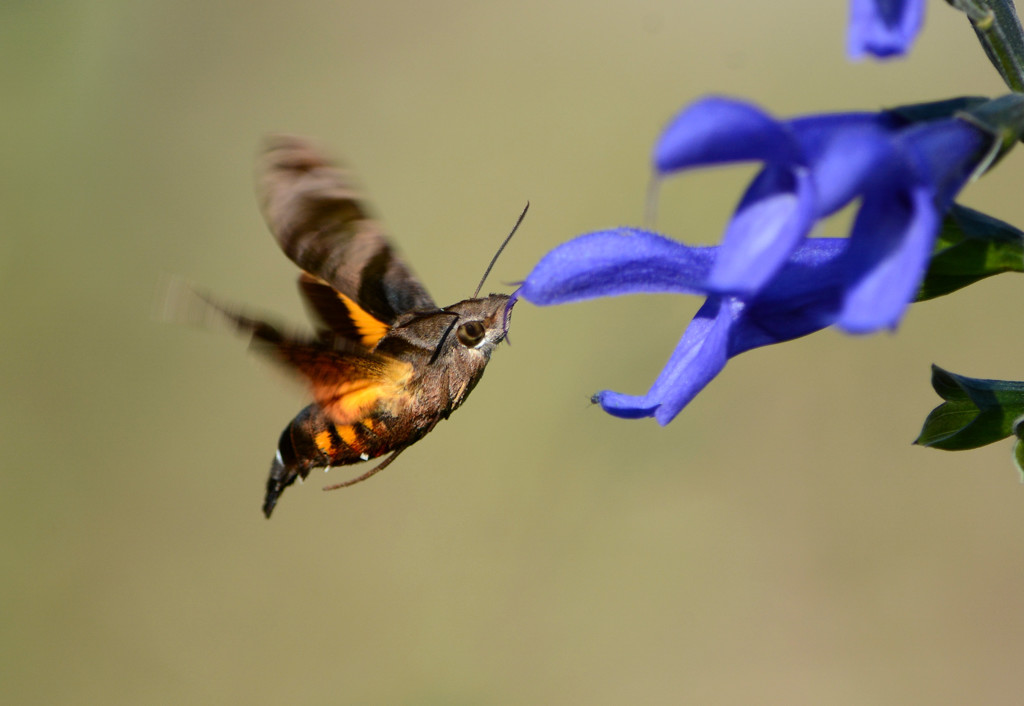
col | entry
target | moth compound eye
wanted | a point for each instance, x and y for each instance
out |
(471, 333)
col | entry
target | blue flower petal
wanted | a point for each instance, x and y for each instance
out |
(946, 154)
(844, 151)
(883, 28)
(775, 214)
(890, 244)
(803, 298)
(626, 406)
(899, 219)
(698, 358)
(613, 262)
(721, 130)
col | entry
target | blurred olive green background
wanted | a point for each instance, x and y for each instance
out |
(781, 542)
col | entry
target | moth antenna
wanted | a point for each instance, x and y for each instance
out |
(503, 244)
(373, 471)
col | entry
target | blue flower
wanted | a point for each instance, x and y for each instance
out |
(768, 282)
(804, 296)
(905, 175)
(883, 28)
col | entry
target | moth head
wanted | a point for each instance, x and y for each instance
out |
(478, 324)
(482, 323)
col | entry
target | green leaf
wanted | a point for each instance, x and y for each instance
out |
(1001, 117)
(971, 246)
(976, 411)
(935, 110)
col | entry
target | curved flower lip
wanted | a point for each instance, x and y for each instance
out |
(718, 130)
(813, 167)
(776, 213)
(633, 261)
(889, 249)
(946, 154)
(883, 28)
(843, 151)
(899, 218)
(804, 297)
(613, 262)
(698, 358)
(838, 149)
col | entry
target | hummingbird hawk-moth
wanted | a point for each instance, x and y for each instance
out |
(385, 363)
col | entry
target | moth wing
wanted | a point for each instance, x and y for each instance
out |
(347, 385)
(320, 221)
(347, 381)
(340, 314)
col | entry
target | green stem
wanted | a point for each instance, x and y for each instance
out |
(999, 31)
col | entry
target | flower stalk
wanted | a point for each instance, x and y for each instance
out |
(998, 28)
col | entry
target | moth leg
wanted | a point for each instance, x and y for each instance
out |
(373, 471)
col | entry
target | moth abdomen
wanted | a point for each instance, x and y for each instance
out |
(312, 440)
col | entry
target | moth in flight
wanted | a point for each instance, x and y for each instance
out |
(385, 364)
